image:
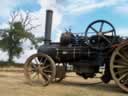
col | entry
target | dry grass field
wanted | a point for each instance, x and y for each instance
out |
(13, 84)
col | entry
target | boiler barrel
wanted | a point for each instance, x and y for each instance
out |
(64, 54)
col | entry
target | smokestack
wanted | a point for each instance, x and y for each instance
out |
(48, 27)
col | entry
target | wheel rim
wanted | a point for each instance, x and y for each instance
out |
(39, 68)
(101, 29)
(119, 66)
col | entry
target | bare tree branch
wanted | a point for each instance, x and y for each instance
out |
(27, 17)
(32, 27)
(30, 20)
(21, 17)
(25, 20)
(14, 15)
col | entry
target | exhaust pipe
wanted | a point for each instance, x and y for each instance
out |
(48, 27)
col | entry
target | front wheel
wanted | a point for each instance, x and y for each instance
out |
(39, 68)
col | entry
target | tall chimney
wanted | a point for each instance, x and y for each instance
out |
(48, 27)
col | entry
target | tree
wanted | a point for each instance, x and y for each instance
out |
(11, 39)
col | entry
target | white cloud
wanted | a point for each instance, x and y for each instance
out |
(84, 6)
(59, 32)
(60, 8)
(122, 31)
(4, 25)
(3, 56)
(6, 6)
(25, 55)
(122, 9)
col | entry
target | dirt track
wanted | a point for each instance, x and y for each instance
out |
(13, 84)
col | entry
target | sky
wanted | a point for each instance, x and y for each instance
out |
(77, 14)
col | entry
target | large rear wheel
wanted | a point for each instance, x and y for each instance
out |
(119, 66)
(39, 68)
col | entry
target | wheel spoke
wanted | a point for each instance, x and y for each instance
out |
(34, 75)
(36, 61)
(40, 60)
(122, 56)
(123, 76)
(125, 80)
(40, 68)
(45, 60)
(94, 29)
(45, 76)
(45, 67)
(124, 53)
(106, 39)
(101, 27)
(120, 62)
(120, 66)
(121, 71)
(34, 66)
(47, 71)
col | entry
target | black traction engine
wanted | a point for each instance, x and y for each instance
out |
(83, 53)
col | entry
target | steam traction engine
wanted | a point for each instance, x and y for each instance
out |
(86, 53)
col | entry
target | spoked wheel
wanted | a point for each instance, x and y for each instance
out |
(40, 68)
(119, 66)
(100, 34)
